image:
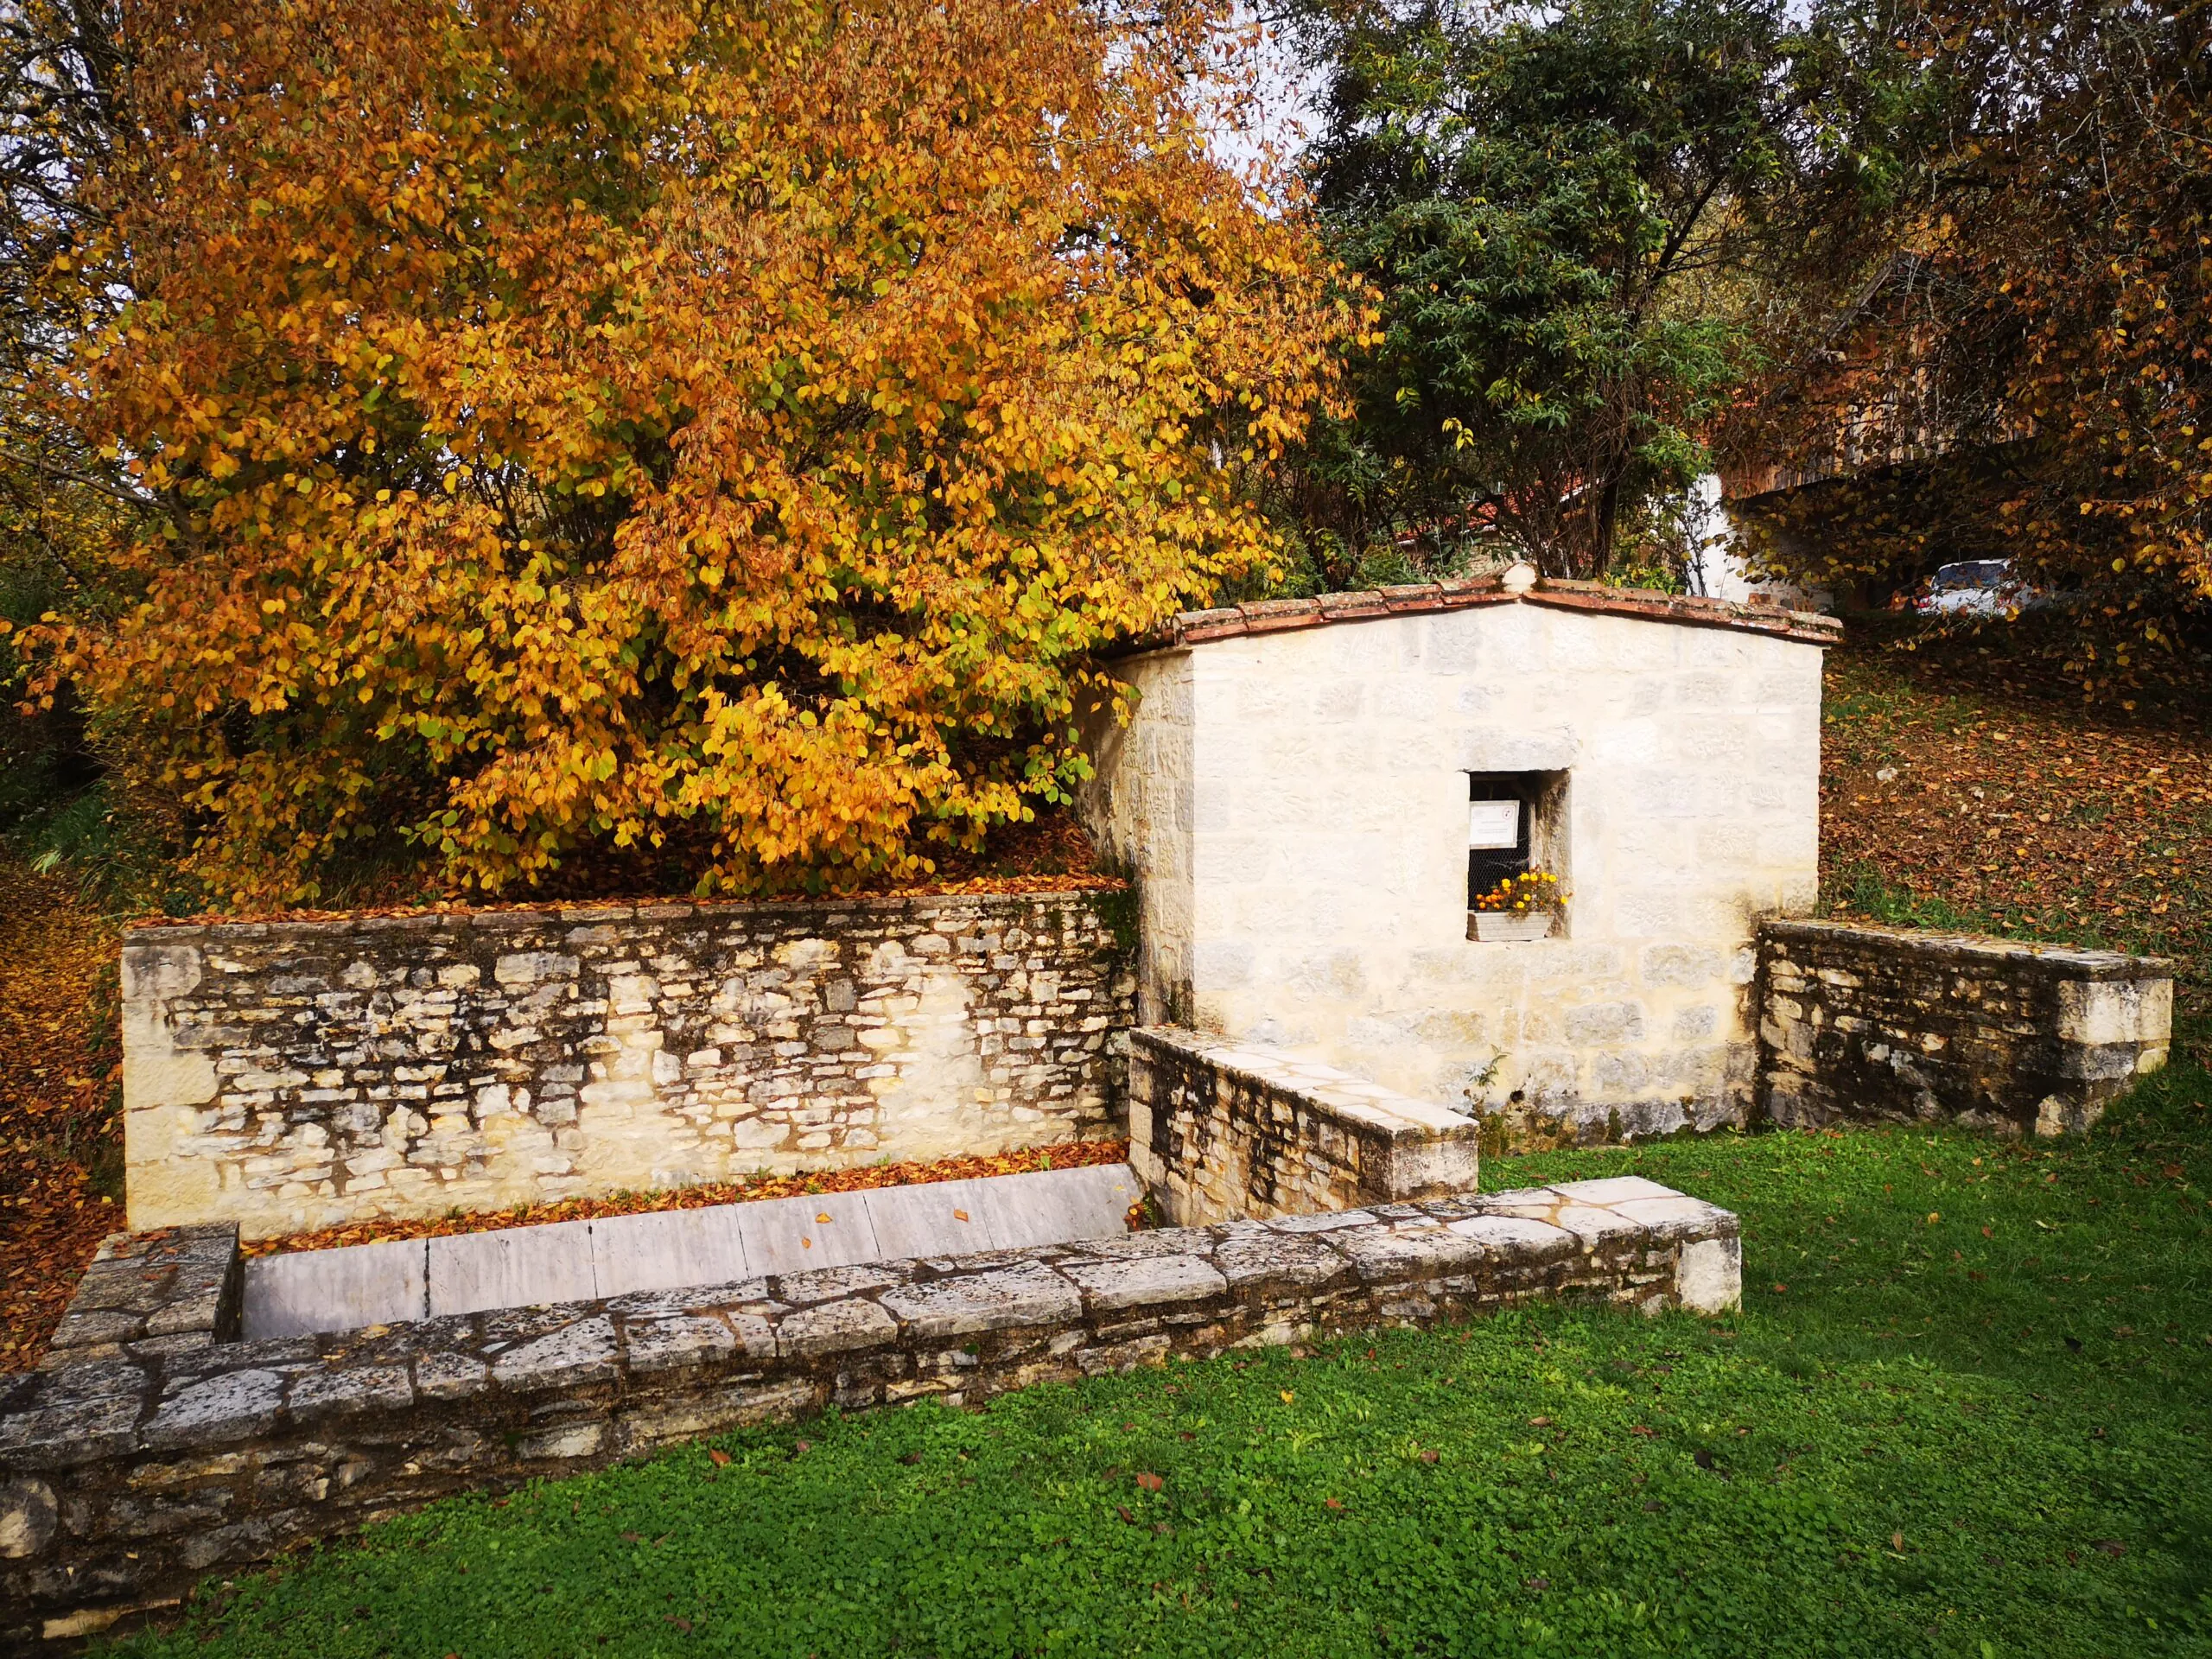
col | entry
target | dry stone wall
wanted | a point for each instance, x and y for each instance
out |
(1220, 1129)
(292, 1076)
(164, 1291)
(122, 1479)
(1881, 1024)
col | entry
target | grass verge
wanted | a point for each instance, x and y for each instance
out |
(1966, 1410)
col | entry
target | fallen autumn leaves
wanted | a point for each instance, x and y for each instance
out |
(1074, 1155)
(60, 1155)
(1944, 805)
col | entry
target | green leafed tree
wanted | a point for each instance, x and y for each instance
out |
(1569, 214)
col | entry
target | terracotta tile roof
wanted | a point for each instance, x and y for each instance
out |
(1281, 615)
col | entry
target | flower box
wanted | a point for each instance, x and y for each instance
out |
(1497, 926)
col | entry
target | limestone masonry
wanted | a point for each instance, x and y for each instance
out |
(122, 1480)
(1878, 1023)
(1304, 809)
(1220, 1129)
(163, 1292)
(1292, 794)
(292, 1076)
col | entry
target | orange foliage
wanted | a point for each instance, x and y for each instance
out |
(715, 435)
(60, 1091)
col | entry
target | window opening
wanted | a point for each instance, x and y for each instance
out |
(1499, 811)
(1516, 823)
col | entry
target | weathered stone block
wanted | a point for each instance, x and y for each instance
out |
(1711, 1277)
(1400, 1256)
(1162, 1280)
(168, 1289)
(1883, 1024)
(1024, 1293)
(229, 1406)
(29, 1516)
(580, 1353)
(1238, 1129)
(833, 1328)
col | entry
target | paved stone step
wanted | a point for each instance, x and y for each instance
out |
(344, 1289)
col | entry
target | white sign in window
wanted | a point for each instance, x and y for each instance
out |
(1494, 823)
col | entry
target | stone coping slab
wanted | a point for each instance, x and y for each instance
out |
(317, 924)
(123, 1479)
(1221, 1129)
(359, 1284)
(2073, 961)
(162, 1291)
(1342, 1094)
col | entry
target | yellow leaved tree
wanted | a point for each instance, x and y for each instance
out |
(715, 437)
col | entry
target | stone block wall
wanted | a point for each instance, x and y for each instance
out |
(1139, 803)
(1220, 1129)
(165, 1292)
(1293, 799)
(124, 1479)
(298, 1075)
(1883, 1024)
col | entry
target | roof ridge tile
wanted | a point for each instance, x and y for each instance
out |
(1466, 592)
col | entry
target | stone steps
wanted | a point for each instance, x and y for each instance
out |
(360, 1284)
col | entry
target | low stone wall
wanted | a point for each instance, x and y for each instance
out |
(1220, 1129)
(165, 1292)
(294, 1075)
(122, 1480)
(1881, 1024)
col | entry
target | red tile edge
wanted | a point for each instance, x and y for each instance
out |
(1284, 615)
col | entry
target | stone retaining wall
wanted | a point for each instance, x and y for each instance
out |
(295, 1076)
(165, 1292)
(123, 1479)
(1220, 1129)
(1881, 1024)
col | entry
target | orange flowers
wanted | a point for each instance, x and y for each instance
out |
(1531, 893)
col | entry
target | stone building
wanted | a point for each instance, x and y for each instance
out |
(1311, 793)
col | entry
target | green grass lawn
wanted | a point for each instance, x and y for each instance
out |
(1967, 1409)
